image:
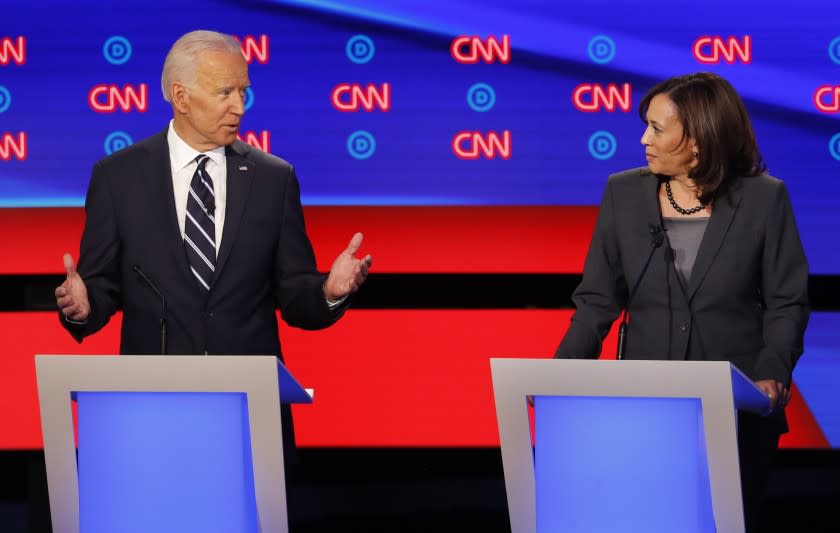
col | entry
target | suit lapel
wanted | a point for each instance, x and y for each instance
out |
(240, 176)
(722, 214)
(158, 172)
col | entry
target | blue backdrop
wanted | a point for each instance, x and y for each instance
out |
(302, 50)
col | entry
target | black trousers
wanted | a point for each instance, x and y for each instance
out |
(758, 440)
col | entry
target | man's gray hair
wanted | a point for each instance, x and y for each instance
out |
(181, 61)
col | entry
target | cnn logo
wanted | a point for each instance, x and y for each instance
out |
(261, 140)
(593, 97)
(471, 145)
(13, 51)
(13, 147)
(469, 49)
(710, 50)
(827, 98)
(254, 48)
(351, 97)
(107, 98)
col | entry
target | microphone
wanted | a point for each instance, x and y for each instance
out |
(657, 237)
(143, 275)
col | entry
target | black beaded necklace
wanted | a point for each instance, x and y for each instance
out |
(677, 208)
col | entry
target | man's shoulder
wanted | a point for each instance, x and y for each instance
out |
(260, 158)
(134, 153)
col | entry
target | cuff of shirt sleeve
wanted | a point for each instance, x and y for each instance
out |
(332, 304)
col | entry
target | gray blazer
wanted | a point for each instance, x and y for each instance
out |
(746, 300)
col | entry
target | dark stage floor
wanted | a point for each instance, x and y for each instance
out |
(433, 490)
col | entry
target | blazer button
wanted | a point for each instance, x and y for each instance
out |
(211, 315)
(684, 327)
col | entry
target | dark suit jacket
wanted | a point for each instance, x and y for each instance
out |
(265, 259)
(747, 298)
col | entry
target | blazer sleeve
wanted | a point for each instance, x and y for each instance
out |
(299, 290)
(602, 291)
(99, 256)
(784, 290)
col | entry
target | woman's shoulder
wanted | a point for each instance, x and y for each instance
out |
(761, 186)
(631, 174)
(633, 179)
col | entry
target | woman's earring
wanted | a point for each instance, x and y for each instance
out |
(695, 153)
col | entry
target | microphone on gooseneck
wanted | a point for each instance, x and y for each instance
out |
(162, 307)
(657, 237)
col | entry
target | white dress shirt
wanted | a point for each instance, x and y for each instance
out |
(182, 158)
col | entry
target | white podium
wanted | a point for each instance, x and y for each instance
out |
(622, 445)
(165, 443)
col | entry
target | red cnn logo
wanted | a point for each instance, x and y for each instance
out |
(472, 144)
(832, 105)
(12, 50)
(261, 140)
(348, 97)
(709, 49)
(8, 146)
(253, 47)
(467, 49)
(106, 98)
(592, 97)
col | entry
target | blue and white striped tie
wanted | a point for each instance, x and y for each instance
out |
(200, 226)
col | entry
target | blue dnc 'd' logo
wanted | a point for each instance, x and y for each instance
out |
(360, 49)
(601, 49)
(249, 99)
(5, 99)
(481, 97)
(117, 50)
(361, 144)
(602, 145)
(834, 146)
(117, 141)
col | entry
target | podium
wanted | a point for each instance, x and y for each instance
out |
(165, 443)
(622, 445)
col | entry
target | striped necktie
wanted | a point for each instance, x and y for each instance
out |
(200, 226)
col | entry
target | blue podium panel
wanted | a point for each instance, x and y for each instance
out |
(621, 464)
(165, 462)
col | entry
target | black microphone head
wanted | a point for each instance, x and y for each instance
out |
(211, 208)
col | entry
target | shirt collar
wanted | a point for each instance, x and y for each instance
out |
(181, 154)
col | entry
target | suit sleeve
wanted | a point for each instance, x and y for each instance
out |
(298, 285)
(784, 288)
(600, 295)
(98, 258)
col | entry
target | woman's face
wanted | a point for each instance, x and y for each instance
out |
(663, 151)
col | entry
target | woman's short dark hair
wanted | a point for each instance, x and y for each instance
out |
(712, 114)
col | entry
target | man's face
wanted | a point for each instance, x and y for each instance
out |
(212, 107)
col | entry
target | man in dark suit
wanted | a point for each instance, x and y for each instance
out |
(194, 216)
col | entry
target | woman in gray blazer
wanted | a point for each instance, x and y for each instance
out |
(701, 249)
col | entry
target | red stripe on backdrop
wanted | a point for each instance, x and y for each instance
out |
(381, 377)
(804, 432)
(401, 239)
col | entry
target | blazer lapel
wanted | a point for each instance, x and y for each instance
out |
(240, 176)
(158, 172)
(722, 214)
